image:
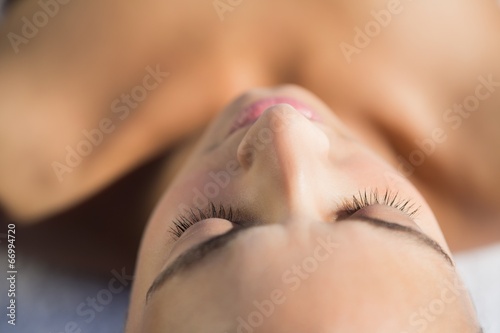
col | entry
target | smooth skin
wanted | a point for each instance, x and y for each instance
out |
(393, 93)
(398, 87)
(291, 177)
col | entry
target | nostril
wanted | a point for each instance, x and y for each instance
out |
(281, 133)
(245, 154)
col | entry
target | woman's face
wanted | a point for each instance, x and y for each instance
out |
(282, 221)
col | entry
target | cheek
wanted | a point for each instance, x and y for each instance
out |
(198, 188)
(179, 199)
(155, 244)
(381, 176)
(191, 190)
(365, 173)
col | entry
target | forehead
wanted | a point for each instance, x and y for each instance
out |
(347, 253)
(356, 265)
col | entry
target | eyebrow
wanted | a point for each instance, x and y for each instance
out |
(201, 251)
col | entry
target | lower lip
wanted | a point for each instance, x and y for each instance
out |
(250, 114)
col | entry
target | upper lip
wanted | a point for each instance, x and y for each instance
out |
(252, 112)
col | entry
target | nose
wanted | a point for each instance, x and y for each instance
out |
(286, 158)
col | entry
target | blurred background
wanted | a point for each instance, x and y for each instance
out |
(76, 240)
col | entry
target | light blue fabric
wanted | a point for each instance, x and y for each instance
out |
(48, 299)
(480, 270)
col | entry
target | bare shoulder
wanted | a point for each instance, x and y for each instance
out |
(102, 89)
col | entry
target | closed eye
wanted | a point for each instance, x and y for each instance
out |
(200, 252)
(368, 198)
(347, 208)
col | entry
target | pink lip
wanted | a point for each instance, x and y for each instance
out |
(250, 114)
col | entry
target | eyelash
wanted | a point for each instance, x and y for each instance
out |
(184, 222)
(368, 198)
(348, 207)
